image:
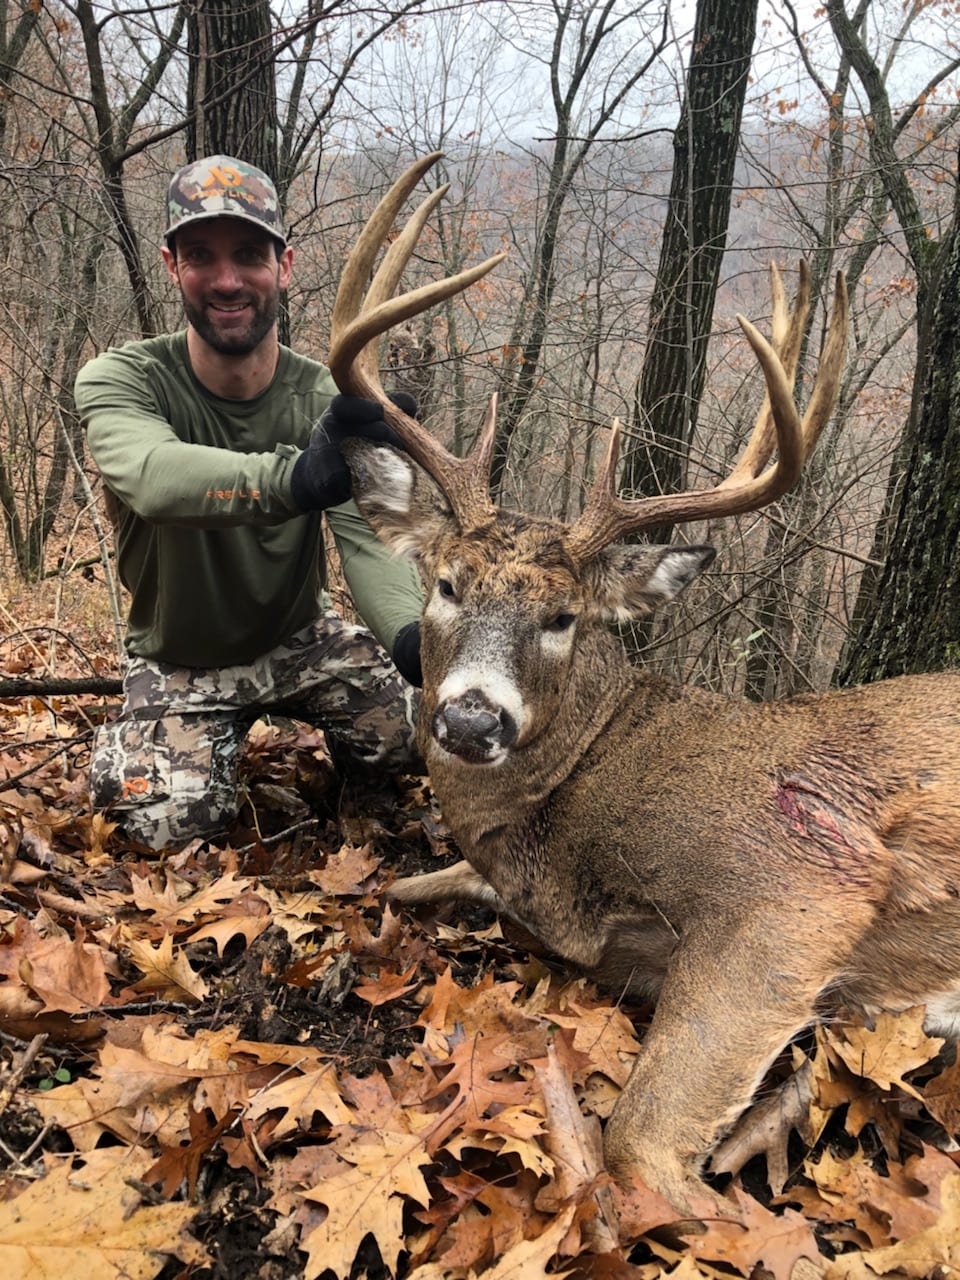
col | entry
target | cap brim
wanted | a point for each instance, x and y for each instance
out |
(219, 213)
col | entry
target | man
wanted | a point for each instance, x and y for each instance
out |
(216, 480)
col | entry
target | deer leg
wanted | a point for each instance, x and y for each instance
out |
(457, 883)
(724, 1014)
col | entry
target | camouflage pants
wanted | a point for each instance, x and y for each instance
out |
(166, 768)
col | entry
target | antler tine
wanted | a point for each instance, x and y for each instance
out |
(825, 389)
(359, 321)
(608, 517)
(787, 338)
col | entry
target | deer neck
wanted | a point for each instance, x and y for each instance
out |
(488, 804)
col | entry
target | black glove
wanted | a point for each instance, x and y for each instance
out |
(406, 653)
(320, 477)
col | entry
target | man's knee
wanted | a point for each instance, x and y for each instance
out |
(165, 781)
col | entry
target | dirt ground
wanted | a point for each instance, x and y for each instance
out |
(237, 1061)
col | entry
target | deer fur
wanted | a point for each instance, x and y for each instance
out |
(753, 866)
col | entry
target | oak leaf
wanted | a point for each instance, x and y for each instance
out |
(574, 1144)
(941, 1097)
(896, 1045)
(933, 1251)
(67, 975)
(777, 1241)
(299, 1098)
(348, 872)
(82, 1219)
(165, 974)
(378, 1173)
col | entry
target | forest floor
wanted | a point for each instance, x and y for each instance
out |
(238, 1061)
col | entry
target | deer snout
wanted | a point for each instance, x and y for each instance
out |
(474, 728)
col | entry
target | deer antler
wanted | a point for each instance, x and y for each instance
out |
(359, 321)
(608, 517)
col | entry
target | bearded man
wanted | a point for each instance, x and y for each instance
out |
(217, 475)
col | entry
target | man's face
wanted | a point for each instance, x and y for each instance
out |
(230, 281)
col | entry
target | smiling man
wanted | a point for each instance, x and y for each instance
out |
(216, 476)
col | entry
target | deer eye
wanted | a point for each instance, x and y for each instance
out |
(446, 589)
(562, 622)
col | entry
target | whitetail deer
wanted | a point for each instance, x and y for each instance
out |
(753, 865)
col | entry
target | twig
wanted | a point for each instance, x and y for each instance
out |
(147, 1193)
(8, 782)
(69, 906)
(47, 688)
(27, 1059)
(306, 825)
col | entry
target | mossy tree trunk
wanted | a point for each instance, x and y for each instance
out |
(914, 624)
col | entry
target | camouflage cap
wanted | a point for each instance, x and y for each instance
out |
(223, 187)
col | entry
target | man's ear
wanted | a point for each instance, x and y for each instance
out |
(170, 262)
(284, 268)
(627, 582)
(405, 508)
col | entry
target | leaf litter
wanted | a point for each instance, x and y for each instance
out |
(238, 1060)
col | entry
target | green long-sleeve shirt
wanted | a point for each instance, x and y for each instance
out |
(220, 563)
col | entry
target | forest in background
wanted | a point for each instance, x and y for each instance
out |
(565, 132)
(237, 1059)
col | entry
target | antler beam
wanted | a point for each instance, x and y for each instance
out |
(607, 517)
(361, 315)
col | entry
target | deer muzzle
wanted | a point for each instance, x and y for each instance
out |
(474, 728)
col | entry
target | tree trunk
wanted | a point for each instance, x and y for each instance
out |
(914, 624)
(232, 85)
(232, 82)
(681, 311)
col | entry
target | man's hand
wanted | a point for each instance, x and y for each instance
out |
(406, 653)
(320, 476)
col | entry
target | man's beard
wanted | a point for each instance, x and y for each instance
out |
(234, 342)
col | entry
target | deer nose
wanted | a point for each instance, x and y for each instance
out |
(472, 727)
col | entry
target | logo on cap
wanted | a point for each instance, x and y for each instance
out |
(223, 187)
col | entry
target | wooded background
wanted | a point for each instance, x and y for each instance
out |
(643, 163)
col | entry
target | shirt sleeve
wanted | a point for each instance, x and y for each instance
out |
(385, 587)
(162, 478)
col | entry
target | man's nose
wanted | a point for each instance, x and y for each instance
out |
(226, 275)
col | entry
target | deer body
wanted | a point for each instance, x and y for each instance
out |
(754, 867)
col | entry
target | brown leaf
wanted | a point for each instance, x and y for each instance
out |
(941, 1097)
(82, 1219)
(574, 1144)
(896, 1045)
(164, 973)
(377, 1173)
(299, 1098)
(182, 1163)
(777, 1241)
(347, 872)
(385, 987)
(933, 1251)
(67, 975)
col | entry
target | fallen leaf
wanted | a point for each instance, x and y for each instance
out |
(896, 1045)
(164, 973)
(377, 1173)
(82, 1219)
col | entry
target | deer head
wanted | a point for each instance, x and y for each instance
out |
(511, 598)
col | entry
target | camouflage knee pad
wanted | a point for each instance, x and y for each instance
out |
(170, 779)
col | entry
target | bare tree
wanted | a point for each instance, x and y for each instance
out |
(706, 145)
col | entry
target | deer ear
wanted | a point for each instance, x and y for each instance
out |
(630, 581)
(404, 506)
